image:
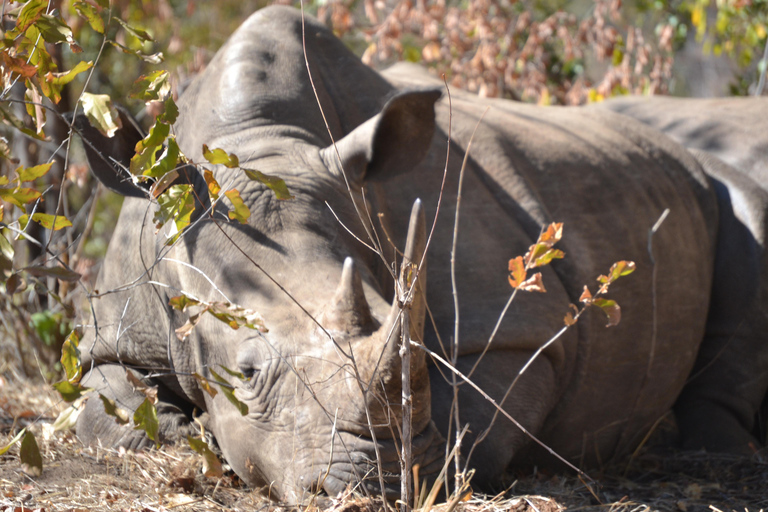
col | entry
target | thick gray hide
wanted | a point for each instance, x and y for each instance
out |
(733, 129)
(592, 395)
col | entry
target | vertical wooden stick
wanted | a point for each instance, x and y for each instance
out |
(407, 405)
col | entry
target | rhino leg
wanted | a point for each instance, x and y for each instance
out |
(720, 406)
(528, 403)
(94, 426)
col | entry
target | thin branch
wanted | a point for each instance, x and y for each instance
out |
(500, 409)
(455, 292)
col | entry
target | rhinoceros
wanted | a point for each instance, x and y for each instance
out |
(733, 129)
(323, 385)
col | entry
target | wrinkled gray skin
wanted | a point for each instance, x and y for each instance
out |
(591, 396)
(733, 129)
(729, 137)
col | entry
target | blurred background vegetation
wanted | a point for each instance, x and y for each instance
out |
(542, 51)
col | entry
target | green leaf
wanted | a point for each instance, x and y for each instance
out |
(155, 58)
(219, 156)
(70, 357)
(32, 173)
(618, 56)
(168, 160)
(145, 418)
(20, 196)
(618, 269)
(60, 273)
(121, 416)
(229, 392)
(154, 86)
(211, 464)
(157, 135)
(33, 45)
(240, 211)
(51, 327)
(52, 222)
(233, 373)
(29, 14)
(91, 15)
(29, 453)
(18, 124)
(101, 113)
(170, 111)
(70, 391)
(547, 257)
(4, 449)
(146, 148)
(182, 302)
(135, 32)
(277, 185)
(55, 30)
(611, 310)
(175, 204)
(55, 82)
(213, 186)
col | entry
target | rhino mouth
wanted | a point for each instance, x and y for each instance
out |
(356, 467)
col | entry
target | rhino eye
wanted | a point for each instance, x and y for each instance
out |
(249, 372)
(248, 362)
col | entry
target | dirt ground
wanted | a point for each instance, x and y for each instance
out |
(79, 479)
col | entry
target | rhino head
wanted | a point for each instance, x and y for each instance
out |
(323, 385)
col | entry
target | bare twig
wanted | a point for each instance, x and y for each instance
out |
(407, 411)
(454, 289)
(504, 413)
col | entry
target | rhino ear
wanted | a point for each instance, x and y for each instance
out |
(392, 142)
(110, 157)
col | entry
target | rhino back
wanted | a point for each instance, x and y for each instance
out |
(608, 179)
(733, 129)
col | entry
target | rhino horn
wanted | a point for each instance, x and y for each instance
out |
(413, 305)
(413, 271)
(348, 311)
(410, 275)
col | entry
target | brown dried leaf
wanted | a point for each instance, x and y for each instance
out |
(517, 273)
(205, 384)
(552, 234)
(121, 416)
(571, 318)
(186, 329)
(533, 284)
(148, 391)
(586, 296)
(211, 463)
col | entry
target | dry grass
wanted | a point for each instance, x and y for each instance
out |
(78, 479)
